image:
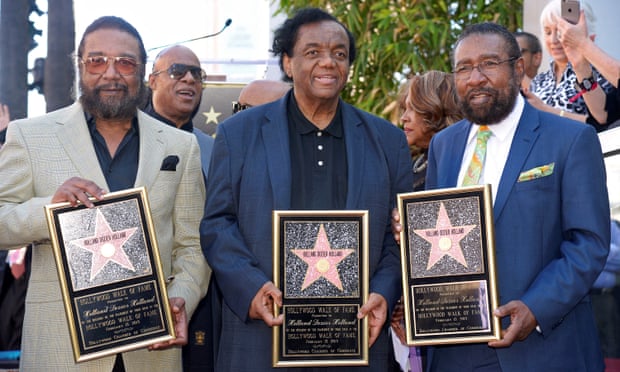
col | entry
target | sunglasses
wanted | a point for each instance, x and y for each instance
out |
(177, 70)
(236, 107)
(99, 64)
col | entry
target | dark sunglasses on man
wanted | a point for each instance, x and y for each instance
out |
(236, 107)
(177, 70)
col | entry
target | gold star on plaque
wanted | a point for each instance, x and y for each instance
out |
(212, 116)
(322, 261)
(106, 245)
(444, 239)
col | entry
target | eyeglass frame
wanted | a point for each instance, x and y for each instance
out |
(236, 107)
(466, 69)
(88, 62)
(188, 68)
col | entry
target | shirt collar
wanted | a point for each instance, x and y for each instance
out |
(304, 126)
(505, 127)
(90, 121)
(188, 127)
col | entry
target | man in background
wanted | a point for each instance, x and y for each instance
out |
(176, 91)
(531, 51)
(258, 92)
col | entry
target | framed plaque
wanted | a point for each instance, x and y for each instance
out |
(110, 274)
(448, 265)
(321, 266)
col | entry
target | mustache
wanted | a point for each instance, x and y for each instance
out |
(111, 86)
(489, 91)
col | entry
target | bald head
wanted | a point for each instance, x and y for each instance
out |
(258, 92)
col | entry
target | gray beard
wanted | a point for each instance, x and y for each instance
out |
(498, 109)
(110, 107)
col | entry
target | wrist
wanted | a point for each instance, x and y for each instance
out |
(586, 84)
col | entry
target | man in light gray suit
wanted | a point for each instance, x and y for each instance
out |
(102, 143)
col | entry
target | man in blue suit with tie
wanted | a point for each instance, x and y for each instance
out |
(306, 151)
(550, 208)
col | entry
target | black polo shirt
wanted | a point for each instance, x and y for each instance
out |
(121, 169)
(318, 162)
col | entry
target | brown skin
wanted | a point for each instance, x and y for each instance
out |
(473, 49)
(111, 42)
(173, 99)
(417, 132)
(107, 42)
(319, 68)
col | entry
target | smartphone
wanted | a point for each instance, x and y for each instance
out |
(570, 11)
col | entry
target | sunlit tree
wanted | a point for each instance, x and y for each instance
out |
(396, 38)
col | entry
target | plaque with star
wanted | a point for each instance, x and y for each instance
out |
(110, 273)
(448, 266)
(321, 267)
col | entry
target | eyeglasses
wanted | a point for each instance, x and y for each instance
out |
(487, 68)
(236, 107)
(99, 64)
(176, 71)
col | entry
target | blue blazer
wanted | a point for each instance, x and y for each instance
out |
(250, 176)
(552, 235)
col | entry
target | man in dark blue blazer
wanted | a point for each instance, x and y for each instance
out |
(308, 150)
(550, 208)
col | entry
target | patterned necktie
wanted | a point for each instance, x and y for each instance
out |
(477, 160)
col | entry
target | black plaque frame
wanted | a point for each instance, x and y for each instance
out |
(448, 266)
(112, 304)
(320, 314)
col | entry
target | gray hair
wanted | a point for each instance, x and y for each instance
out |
(554, 9)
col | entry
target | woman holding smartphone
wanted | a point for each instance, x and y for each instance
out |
(571, 87)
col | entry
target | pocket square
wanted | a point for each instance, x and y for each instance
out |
(538, 172)
(170, 163)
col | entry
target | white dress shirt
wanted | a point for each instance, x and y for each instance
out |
(498, 147)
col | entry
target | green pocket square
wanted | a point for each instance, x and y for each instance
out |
(538, 172)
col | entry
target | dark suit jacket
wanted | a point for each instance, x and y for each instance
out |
(250, 177)
(552, 235)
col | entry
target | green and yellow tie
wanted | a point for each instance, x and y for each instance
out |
(477, 160)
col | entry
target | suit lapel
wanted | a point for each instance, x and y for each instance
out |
(152, 151)
(522, 143)
(356, 149)
(275, 136)
(75, 138)
(455, 157)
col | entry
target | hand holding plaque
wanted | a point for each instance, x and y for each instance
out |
(321, 267)
(111, 276)
(447, 252)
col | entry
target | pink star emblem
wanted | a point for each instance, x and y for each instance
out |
(106, 245)
(322, 261)
(445, 238)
